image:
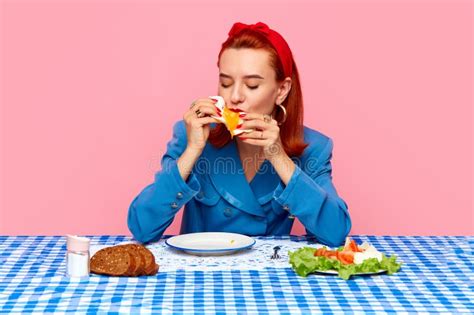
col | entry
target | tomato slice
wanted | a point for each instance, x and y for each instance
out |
(353, 247)
(346, 257)
(326, 253)
(320, 252)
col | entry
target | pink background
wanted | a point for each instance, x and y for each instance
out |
(91, 89)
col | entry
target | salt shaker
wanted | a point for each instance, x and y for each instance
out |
(77, 256)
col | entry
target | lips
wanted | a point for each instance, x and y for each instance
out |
(236, 110)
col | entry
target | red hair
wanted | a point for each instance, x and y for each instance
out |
(291, 131)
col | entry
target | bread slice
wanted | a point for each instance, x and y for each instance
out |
(112, 261)
(136, 251)
(151, 268)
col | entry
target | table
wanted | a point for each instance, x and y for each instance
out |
(436, 277)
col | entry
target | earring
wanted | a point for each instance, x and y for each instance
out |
(284, 114)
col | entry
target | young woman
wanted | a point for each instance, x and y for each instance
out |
(255, 183)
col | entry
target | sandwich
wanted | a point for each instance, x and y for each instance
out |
(230, 117)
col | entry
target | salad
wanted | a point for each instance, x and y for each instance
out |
(350, 259)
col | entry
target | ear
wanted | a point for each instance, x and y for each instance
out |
(283, 90)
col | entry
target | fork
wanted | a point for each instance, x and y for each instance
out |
(275, 253)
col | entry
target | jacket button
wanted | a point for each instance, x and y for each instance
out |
(291, 217)
(286, 207)
(227, 212)
(179, 195)
(174, 205)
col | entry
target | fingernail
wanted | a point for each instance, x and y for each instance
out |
(242, 114)
(219, 114)
(242, 138)
(238, 126)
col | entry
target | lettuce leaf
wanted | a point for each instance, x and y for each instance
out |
(304, 262)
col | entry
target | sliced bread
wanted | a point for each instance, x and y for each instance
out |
(112, 261)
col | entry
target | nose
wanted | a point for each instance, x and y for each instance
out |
(237, 96)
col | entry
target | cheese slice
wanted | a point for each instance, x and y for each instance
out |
(360, 257)
(231, 118)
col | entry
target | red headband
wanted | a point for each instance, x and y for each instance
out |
(277, 41)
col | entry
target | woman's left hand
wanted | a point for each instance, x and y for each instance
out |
(266, 133)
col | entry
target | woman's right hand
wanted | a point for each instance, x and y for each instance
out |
(197, 120)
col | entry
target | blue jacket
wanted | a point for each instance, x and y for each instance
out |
(218, 197)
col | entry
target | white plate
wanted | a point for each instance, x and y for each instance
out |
(334, 272)
(210, 243)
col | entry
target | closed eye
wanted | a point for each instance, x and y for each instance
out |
(250, 87)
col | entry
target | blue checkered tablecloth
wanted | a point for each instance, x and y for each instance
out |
(436, 277)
